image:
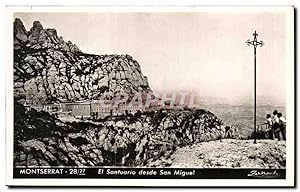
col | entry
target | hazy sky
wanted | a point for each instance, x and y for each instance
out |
(204, 52)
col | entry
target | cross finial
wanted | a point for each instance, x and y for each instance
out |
(255, 43)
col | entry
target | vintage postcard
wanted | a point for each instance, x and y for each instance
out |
(150, 96)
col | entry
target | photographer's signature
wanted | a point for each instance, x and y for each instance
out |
(264, 173)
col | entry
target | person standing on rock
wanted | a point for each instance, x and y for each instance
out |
(269, 124)
(282, 125)
(227, 132)
(276, 124)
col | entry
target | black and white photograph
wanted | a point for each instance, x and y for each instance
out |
(151, 97)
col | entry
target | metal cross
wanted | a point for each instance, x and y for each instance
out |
(255, 43)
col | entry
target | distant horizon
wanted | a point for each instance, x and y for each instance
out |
(261, 99)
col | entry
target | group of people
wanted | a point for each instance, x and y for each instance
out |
(276, 126)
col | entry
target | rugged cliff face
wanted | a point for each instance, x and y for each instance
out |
(139, 139)
(48, 69)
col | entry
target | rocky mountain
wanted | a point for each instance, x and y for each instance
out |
(48, 69)
(130, 140)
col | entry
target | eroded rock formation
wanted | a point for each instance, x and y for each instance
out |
(48, 69)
